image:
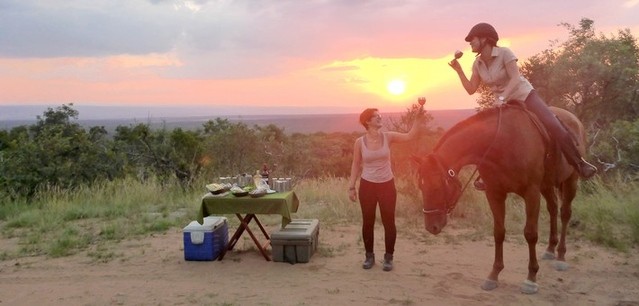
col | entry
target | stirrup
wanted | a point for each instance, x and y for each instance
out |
(479, 184)
(586, 170)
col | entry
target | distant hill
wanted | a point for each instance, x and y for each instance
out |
(291, 123)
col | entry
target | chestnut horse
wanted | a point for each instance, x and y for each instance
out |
(513, 155)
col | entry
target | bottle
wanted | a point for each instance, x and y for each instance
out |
(266, 175)
(257, 179)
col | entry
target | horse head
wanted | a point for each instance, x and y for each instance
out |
(440, 191)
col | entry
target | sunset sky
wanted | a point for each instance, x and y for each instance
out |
(340, 56)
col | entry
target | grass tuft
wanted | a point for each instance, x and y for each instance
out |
(59, 223)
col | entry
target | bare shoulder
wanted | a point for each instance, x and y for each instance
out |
(358, 142)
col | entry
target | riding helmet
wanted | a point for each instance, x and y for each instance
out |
(482, 30)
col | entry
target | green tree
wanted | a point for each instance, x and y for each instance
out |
(594, 76)
(597, 78)
(54, 152)
(232, 148)
(162, 153)
(618, 147)
(273, 141)
(187, 154)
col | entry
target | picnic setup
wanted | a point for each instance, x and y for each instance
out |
(245, 197)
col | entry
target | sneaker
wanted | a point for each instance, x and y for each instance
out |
(370, 261)
(388, 262)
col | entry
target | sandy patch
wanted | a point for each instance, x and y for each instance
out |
(428, 271)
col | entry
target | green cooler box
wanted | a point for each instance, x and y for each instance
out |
(296, 242)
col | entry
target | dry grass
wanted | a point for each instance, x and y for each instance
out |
(59, 223)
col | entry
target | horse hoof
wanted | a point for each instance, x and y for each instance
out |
(561, 265)
(548, 256)
(489, 284)
(529, 287)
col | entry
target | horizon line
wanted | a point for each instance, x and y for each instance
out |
(31, 111)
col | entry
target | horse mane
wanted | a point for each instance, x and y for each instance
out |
(480, 116)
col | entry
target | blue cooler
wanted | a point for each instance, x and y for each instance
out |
(205, 241)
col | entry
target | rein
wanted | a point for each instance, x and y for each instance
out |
(452, 203)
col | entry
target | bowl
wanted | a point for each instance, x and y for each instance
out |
(257, 193)
(215, 188)
(241, 194)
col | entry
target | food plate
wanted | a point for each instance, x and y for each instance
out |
(241, 194)
(216, 188)
(257, 193)
(220, 195)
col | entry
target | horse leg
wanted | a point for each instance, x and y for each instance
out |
(532, 199)
(498, 208)
(553, 210)
(568, 191)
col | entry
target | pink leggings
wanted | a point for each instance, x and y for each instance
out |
(370, 194)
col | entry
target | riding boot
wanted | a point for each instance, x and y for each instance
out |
(561, 134)
(479, 184)
(370, 261)
(586, 170)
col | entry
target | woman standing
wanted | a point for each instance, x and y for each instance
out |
(372, 165)
(497, 68)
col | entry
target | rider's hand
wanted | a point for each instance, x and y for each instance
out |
(455, 65)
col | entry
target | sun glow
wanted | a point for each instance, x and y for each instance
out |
(397, 80)
(396, 87)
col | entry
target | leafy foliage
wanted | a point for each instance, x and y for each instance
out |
(619, 147)
(54, 152)
(597, 78)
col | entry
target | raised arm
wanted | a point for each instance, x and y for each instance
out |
(470, 85)
(417, 126)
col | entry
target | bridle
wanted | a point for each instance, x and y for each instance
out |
(449, 177)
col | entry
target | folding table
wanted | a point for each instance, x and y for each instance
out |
(281, 203)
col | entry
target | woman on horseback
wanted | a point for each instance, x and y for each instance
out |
(496, 67)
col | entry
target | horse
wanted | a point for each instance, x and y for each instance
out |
(513, 154)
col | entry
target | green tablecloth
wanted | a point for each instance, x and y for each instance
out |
(279, 203)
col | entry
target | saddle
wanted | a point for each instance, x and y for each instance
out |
(554, 154)
(516, 104)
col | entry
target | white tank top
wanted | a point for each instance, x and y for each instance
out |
(376, 164)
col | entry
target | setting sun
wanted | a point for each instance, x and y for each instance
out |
(401, 81)
(396, 87)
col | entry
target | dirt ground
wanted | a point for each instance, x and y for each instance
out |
(438, 270)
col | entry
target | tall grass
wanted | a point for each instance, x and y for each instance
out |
(62, 222)
(608, 214)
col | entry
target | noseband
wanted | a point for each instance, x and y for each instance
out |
(448, 176)
(449, 179)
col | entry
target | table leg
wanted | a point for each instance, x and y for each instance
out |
(262, 228)
(236, 236)
(244, 222)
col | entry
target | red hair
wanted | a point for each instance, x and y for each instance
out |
(366, 116)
